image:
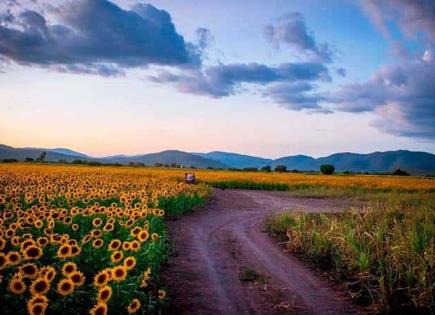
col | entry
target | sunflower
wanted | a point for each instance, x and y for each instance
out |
(75, 250)
(42, 241)
(135, 245)
(104, 294)
(37, 309)
(13, 258)
(64, 251)
(116, 257)
(135, 231)
(126, 245)
(65, 287)
(162, 294)
(28, 271)
(17, 286)
(101, 279)
(97, 222)
(154, 236)
(48, 273)
(40, 286)
(119, 273)
(77, 277)
(75, 227)
(143, 236)
(108, 227)
(96, 233)
(15, 241)
(134, 306)
(68, 268)
(130, 262)
(37, 299)
(32, 252)
(98, 243)
(38, 224)
(99, 309)
(114, 244)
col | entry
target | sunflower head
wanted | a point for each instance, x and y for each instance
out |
(65, 287)
(98, 243)
(17, 286)
(69, 268)
(99, 309)
(64, 251)
(162, 294)
(115, 244)
(130, 262)
(116, 257)
(134, 306)
(40, 286)
(101, 279)
(32, 252)
(104, 294)
(48, 273)
(37, 309)
(119, 273)
(77, 277)
(28, 271)
(143, 236)
(13, 258)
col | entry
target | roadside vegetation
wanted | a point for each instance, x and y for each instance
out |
(384, 255)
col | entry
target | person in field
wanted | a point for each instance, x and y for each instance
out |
(189, 178)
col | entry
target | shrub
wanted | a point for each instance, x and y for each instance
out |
(327, 169)
(281, 168)
(400, 172)
(250, 169)
(29, 159)
(266, 168)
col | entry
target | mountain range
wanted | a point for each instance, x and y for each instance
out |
(412, 162)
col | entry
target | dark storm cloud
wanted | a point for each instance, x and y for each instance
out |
(403, 97)
(291, 30)
(412, 16)
(95, 37)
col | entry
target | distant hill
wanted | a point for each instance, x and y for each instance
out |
(171, 156)
(235, 160)
(7, 152)
(412, 162)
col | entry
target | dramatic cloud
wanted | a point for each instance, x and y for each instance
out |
(403, 96)
(412, 16)
(224, 80)
(291, 30)
(94, 37)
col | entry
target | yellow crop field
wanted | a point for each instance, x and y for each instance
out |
(77, 240)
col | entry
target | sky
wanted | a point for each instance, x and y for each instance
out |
(268, 78)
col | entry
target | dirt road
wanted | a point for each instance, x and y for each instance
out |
(214, 245)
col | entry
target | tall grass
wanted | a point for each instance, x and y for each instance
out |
(385, 254)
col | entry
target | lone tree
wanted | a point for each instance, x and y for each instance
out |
(281, 168)
(41, 158)
(266, 168)
(327, 169)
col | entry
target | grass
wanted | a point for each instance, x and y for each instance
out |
(385, 253)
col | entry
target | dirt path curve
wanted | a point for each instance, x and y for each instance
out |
(215, 244)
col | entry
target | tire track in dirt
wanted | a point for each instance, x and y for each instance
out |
(213, 246)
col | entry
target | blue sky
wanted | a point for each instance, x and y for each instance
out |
(270, 78)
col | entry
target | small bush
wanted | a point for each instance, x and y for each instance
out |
(281, 168)
(400, 172)
(327, 169)
(266, 168)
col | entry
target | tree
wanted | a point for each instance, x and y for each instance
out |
(41, 158)
(250, 169)
(281, 168)
(266, 168)
(327, 169)
(29, 159)
(400, 172)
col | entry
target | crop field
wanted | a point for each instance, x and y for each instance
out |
(92, 240)
(384, 254)
(80, 240)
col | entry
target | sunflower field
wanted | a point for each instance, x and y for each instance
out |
(80, 240)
